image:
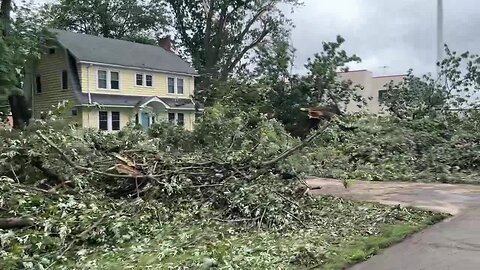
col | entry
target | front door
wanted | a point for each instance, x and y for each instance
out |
(145, 120)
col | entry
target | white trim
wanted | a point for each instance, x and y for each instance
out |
(157, 100)
(108, 79)
(106, 106)
(128, 106)
(138, 68)
(183, 109)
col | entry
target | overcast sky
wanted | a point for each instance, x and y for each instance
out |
(399, 34)
(393, 33)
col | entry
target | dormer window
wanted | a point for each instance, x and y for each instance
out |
(179, 86)
(139, 79)
(148, 80)
(108, 79)
(175, 85)
(102, 79)
(142, 79)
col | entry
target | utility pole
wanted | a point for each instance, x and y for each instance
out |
(440, 42)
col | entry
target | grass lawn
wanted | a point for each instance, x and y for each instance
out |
(345, 233)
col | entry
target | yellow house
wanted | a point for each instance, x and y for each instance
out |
(112, 82)
(373, 88)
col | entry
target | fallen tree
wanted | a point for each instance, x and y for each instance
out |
(87, 191)
(232, 169)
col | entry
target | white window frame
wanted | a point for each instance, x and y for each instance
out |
(109, 121)
(144, 79)
(175, 86)
(176, 118)
(109, 79)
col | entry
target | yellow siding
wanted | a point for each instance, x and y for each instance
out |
(189, 120)
(90, 117)
(88, 78)
(50, 68)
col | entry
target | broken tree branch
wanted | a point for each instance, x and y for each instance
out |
(297, 147)
(81, 235)
(91, 170)
(15, 223)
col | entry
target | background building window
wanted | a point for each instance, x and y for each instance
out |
(114, 81)
(115, 120)
(64, 80)
(102, 79)
(74, 112)
(139, 79)
(179, 86)
(171, 85)
(103, 120)
(38, 84)
(148, 80)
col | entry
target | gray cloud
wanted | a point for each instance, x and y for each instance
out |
(397, 34)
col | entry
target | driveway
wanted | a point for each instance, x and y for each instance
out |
(451, 244)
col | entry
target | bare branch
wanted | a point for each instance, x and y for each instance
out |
(292, 150)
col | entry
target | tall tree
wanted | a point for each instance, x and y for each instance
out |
(219, 34)
(135, 20)
(5, 9)
(21, 40)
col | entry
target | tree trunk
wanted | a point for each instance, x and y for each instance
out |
(15, 223)
(21, 113)
(5, 9)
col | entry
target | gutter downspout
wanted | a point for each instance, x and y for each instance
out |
(88, 84)
(88, 93)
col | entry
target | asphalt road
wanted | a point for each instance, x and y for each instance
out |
(452, 244)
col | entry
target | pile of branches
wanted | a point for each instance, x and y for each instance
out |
(242, 182)
(441, 149)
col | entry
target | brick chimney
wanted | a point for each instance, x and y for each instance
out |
(167, 43)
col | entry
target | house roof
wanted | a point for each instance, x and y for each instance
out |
(96, 49)
(132, 101)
